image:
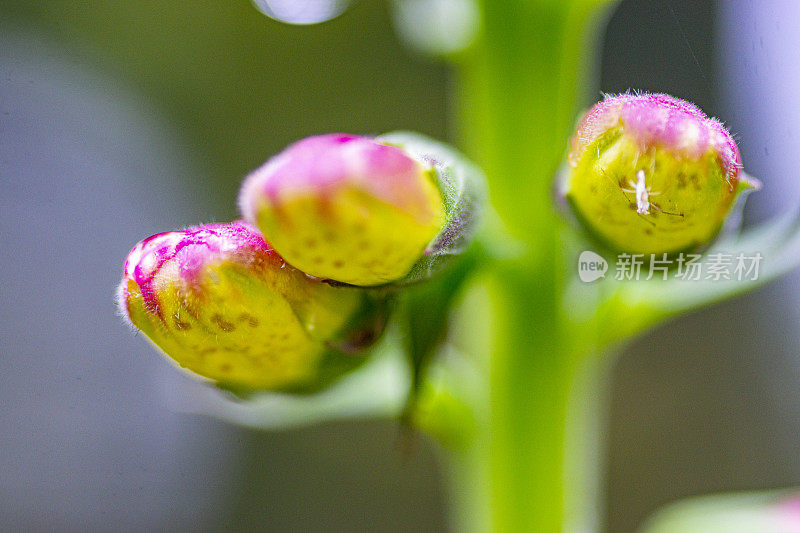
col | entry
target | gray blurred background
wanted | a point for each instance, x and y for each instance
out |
(121, 119)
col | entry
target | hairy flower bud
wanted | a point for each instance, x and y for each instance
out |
(346, 208)
(220, 302)
(649, 173)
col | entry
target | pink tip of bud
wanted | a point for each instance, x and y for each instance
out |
(321, 164)
(194, 248)
(660, 120)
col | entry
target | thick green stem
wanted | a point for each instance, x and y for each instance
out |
(532, 373)
(519, 92)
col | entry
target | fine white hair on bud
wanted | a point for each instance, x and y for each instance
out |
(221, 303)
(346, 208)
(649, 173)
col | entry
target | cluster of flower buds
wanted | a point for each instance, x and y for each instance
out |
(649, 173)
(290, 297)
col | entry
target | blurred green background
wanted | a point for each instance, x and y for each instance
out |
(221, 87)
(240, 86)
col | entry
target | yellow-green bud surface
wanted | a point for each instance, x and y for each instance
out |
(219, 302)
(346, 208)
(652, 174)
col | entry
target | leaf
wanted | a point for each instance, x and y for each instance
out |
(426, 312)
(778, 242)
(463, 188)
(625, 308)
(376, 390)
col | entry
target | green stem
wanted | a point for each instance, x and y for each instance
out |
(519, 92)
(531, 375)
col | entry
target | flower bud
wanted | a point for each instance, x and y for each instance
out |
(649, 173)
(220, 302)
(346, 208)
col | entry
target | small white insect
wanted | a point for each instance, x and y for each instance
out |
(642, 192)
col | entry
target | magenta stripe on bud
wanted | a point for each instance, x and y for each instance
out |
(220, 302)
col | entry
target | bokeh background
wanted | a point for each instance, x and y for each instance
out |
(122, 119)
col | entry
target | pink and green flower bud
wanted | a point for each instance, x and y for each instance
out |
(346, 208)
(221, 303)
(649, 173)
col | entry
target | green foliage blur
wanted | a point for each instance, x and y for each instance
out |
(241, 86)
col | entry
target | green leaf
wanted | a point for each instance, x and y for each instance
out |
(426, 313)
(621, 309)
(778, 242)
(463, 188)
(377, 390)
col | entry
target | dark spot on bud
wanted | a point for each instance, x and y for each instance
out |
(180, 324)
(362, 338)
(222, 324)
(249, 319)
(269, 359)
(255, 361)
(202, 352)
(318, 260)
(338, 264)
(225, 367)
(310, 243)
